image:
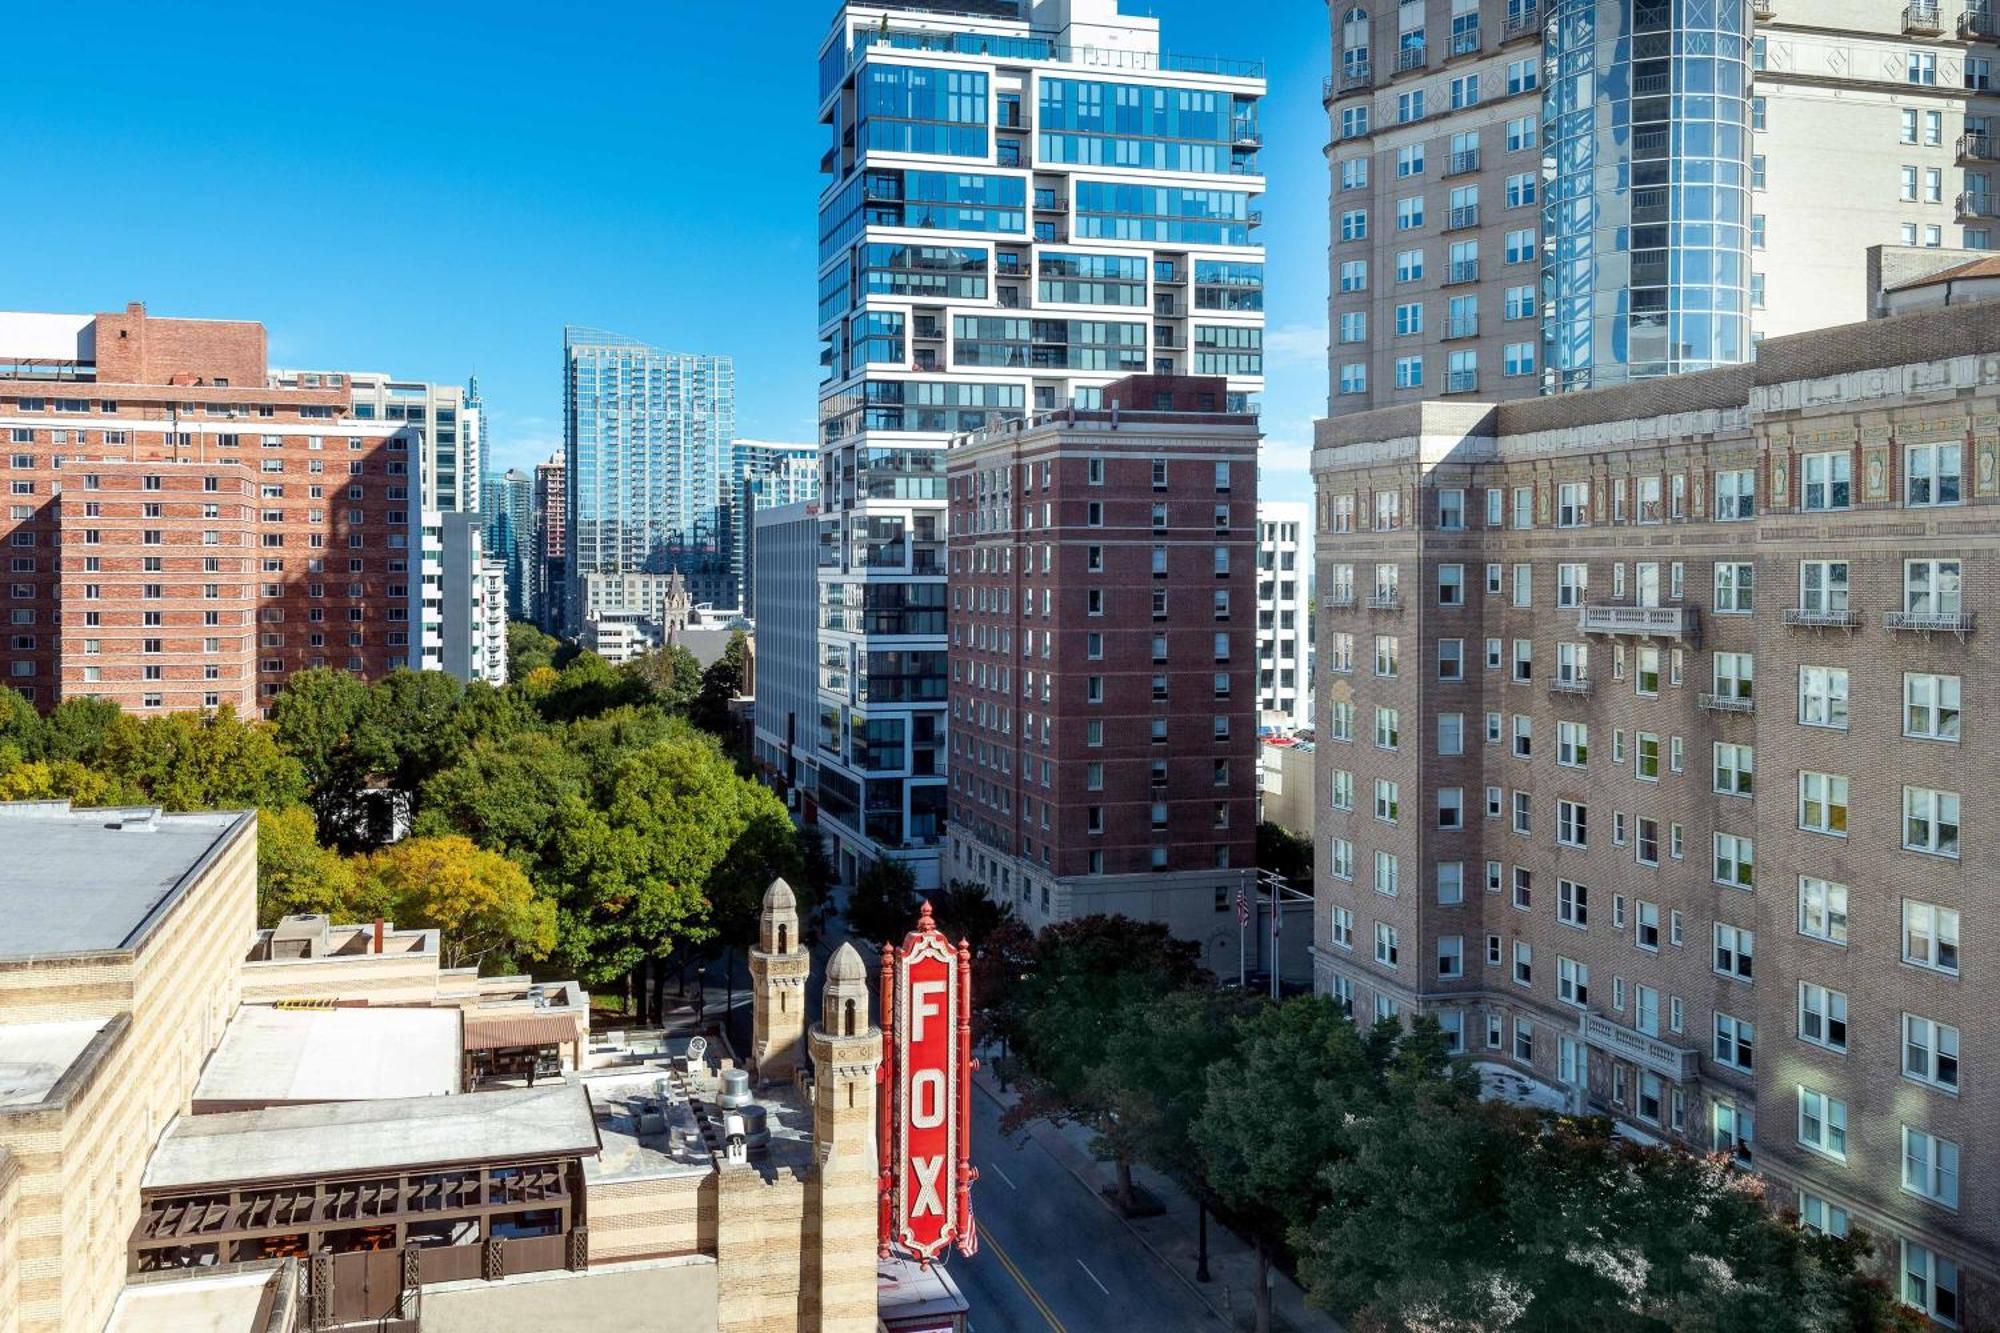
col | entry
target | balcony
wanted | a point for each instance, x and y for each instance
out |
(1682, 1064)
(1579, 686)
(1974, 24)
(1728, 703)
(1975, 147)
(1799, 617)
(1411, 57)
(1973, 207)
(1461, 271)
(1341, 601)
(1520, 24)
(1923, 20)
(1385, 599)
(1465, 42)
(1461, 326)
(1641, 622)
(1463, 161)
(1928, 622)
(1354, 78)
(1461, 381)
(1462, 217)
(1763, 10)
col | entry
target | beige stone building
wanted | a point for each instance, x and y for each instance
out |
(1650, 762)
(316, 1126)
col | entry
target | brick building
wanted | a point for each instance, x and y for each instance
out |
(1103, 659)
(195, 498)
(1650, 758)
(551, 542)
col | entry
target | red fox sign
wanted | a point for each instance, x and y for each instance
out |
(926, 1127)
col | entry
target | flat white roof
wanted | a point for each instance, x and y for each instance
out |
(35, 1056)
(333, 1055)
(224, 1303)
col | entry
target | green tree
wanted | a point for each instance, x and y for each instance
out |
(721, 683)
(482, 906)
(505, 794)
(410, 729)
(1289, 854)
(316, 717)
(197, 761)
(965, 911)
(527, 648)
(490, 714)
(1150, 1081)
(671, 674)
(294, 873)
(20, 724)
(1085, 978)
(588, 686)
(882, 906)
(61, 780)
(76, 729)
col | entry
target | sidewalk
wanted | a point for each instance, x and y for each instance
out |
(1171, 1236)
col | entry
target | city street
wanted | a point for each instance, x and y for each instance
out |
(1051, 1256)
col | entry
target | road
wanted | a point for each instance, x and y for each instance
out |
(1052, 1256)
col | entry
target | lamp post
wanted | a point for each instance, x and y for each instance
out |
(1201, 1253)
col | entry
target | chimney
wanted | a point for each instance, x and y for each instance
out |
(381, 931)
(136, 308)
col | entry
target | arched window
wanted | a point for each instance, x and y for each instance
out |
(848, 1019)
(784, 938)
(1354, 43)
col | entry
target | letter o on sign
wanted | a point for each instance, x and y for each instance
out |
(927, 1099)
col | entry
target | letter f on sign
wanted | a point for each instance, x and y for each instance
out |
(923, 1004)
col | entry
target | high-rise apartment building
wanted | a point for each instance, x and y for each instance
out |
(1025, 202)
(1648, 762)
(1104, 628)
(1530, 197)
(447, 459)
(646, 439)
(185, 529)
(509, 512)
(786, 595)
(1284, 614)
(766, 476)
(551, 545)
(464, 593)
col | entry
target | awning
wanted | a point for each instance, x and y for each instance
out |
(490, 1034)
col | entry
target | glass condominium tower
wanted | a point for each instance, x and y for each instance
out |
(647, 446)
(1646, 188)
(1026, 200)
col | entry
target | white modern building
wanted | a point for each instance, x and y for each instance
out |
(619, 636)
(1284, 615)
(1025, 200)
(460, 601)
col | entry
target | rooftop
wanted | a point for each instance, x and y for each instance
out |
(98, 879)
(400, 1134)
(1987, 267)
(35, 1056)
(241, 1301)
(283, 1056)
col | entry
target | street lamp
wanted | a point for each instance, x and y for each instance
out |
(1201, 1254)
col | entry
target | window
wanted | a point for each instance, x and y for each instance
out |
(1930, 1283)
(1920, 67)
(1822, 1016)
(1386, 654)
(1827, 1218)
(1409, 266)
(1823, 803)
(1573, 744)
(1646, 680)
(1822, 1123)
(1524, 736)
(1451, 955)
(1451, 513)
(1572, 982)
(1735, 495)
(1930, 1167)
(1388, 952)
(1735, 949)
(1823, 910)
(1734, 675)
(1524, 888)
(1573, 504)
(1524, 1041)
(1524, 963)
(1930, 707)
(1735, 1042)
(1823, 697)
(1930, 936)
(1342, 789)
(1931, 474)
(1734, 770)
(1930, 1052)
(1409, 372)
(1388, 874)
(1451, 659)
(1354, 326)
(1388, 728)
(1524, 813)
(1410, 213)
(1522, 75)
(1520, 247)
(1520, 133)
(1827, 481)
(1409, 319)
(1735, 861)
(1930, 821)
(1931, 588)
(1388, 801)
(1450, 883)
(1734, 1127)
(1823, 586)
(1524, 659)
(1646, 926)
(1354, 225)
(1733, 588)
(1343, 868)
(1524, 507)
(1410, 161)
(1572, 823)
(1451, 733)
(1646, 757)
(1354, 275)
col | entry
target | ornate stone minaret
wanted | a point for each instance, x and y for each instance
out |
(846, 1054)
(779, 966)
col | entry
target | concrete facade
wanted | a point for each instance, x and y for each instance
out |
(1284, 614)
(1642, 766)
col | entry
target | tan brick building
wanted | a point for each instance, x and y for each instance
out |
(232, 530)
(1649, 761)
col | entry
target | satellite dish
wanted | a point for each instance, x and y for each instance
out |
(697, 1050)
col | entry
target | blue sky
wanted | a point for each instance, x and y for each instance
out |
(435, 188)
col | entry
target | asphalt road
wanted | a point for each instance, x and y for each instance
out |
(1052, 1256)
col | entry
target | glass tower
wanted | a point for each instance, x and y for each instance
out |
(1646, 188)
(1025, 202)
(646, 438)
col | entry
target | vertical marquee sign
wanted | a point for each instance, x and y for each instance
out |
(926, 1131)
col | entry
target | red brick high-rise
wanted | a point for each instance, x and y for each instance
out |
(551, 539)
(1103, 660)
(181, 534)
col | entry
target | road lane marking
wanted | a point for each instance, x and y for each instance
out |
(1093, 1277)
(1002, 1174)
(999, 1251)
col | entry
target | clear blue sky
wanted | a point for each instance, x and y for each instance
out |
(435, 188)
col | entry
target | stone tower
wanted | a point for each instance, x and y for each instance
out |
(846, 1054)
(779, 966)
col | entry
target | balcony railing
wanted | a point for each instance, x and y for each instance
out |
(1461, 381)
(1466, 41)
(1928, 622)
(1385, 600)
(1978, 23)
(1461, 271)
(1977, 147)
(1339, 600)
(1463, 161)
(1975, 205)
(1462, 217)
(1799, 617)
(1728, 703)
(1646, 622)
(1353, 77)
(1578, 685)
(1411, 57)
(1520, 23)
(1763, 10)
(1682, 1064)
(1923, 20)
(1461, 326)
